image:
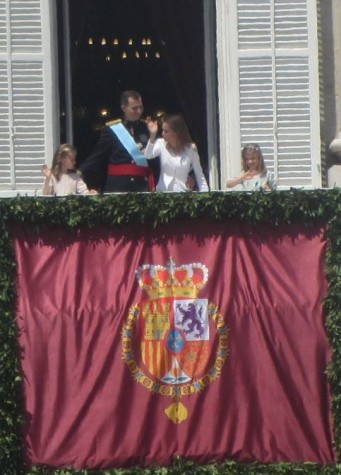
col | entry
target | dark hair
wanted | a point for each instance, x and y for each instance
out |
(124, 99)
(61, 152)
(178, 125)
(254, 147)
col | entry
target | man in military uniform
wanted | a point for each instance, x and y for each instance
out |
(117, 164)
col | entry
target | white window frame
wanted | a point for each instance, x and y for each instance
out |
(48, 57)
(228, 90)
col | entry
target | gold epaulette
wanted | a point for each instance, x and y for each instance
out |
(113, 122)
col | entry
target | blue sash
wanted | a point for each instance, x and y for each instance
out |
(128, 143)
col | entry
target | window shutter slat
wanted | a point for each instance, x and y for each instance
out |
(254, 25)
(3, 27)
(256, 104)
(291, 25)
(29, 121)
(5, 155)
(293, 120)
(26, 26)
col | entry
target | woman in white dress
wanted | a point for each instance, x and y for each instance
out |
(255, 176)
(178, 155)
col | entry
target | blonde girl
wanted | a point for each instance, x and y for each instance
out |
(62, 178)
(255, 176)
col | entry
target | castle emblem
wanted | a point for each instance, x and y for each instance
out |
(174, 343)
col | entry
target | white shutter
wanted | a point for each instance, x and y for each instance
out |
(272, 55)
(26, 100)
(5, 145)
(293, 122)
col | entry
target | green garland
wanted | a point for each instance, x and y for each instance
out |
(73, 213)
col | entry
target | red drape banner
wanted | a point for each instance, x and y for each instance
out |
(200, 339)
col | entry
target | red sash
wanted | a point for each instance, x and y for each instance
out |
(130, 169)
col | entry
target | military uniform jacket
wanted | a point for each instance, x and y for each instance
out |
(110, 151)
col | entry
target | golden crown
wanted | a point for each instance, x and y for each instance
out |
(170, 281)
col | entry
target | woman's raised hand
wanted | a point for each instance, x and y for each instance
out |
(152, 126)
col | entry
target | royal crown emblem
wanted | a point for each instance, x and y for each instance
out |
(174, 343)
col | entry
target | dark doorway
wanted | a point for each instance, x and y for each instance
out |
(151, 46)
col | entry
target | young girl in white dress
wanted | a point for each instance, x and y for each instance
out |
(62, 178)
(178, 155)
(255, 176)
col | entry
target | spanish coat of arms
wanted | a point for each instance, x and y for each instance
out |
(174, 343)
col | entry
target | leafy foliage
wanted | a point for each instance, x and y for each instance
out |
(156, 209)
